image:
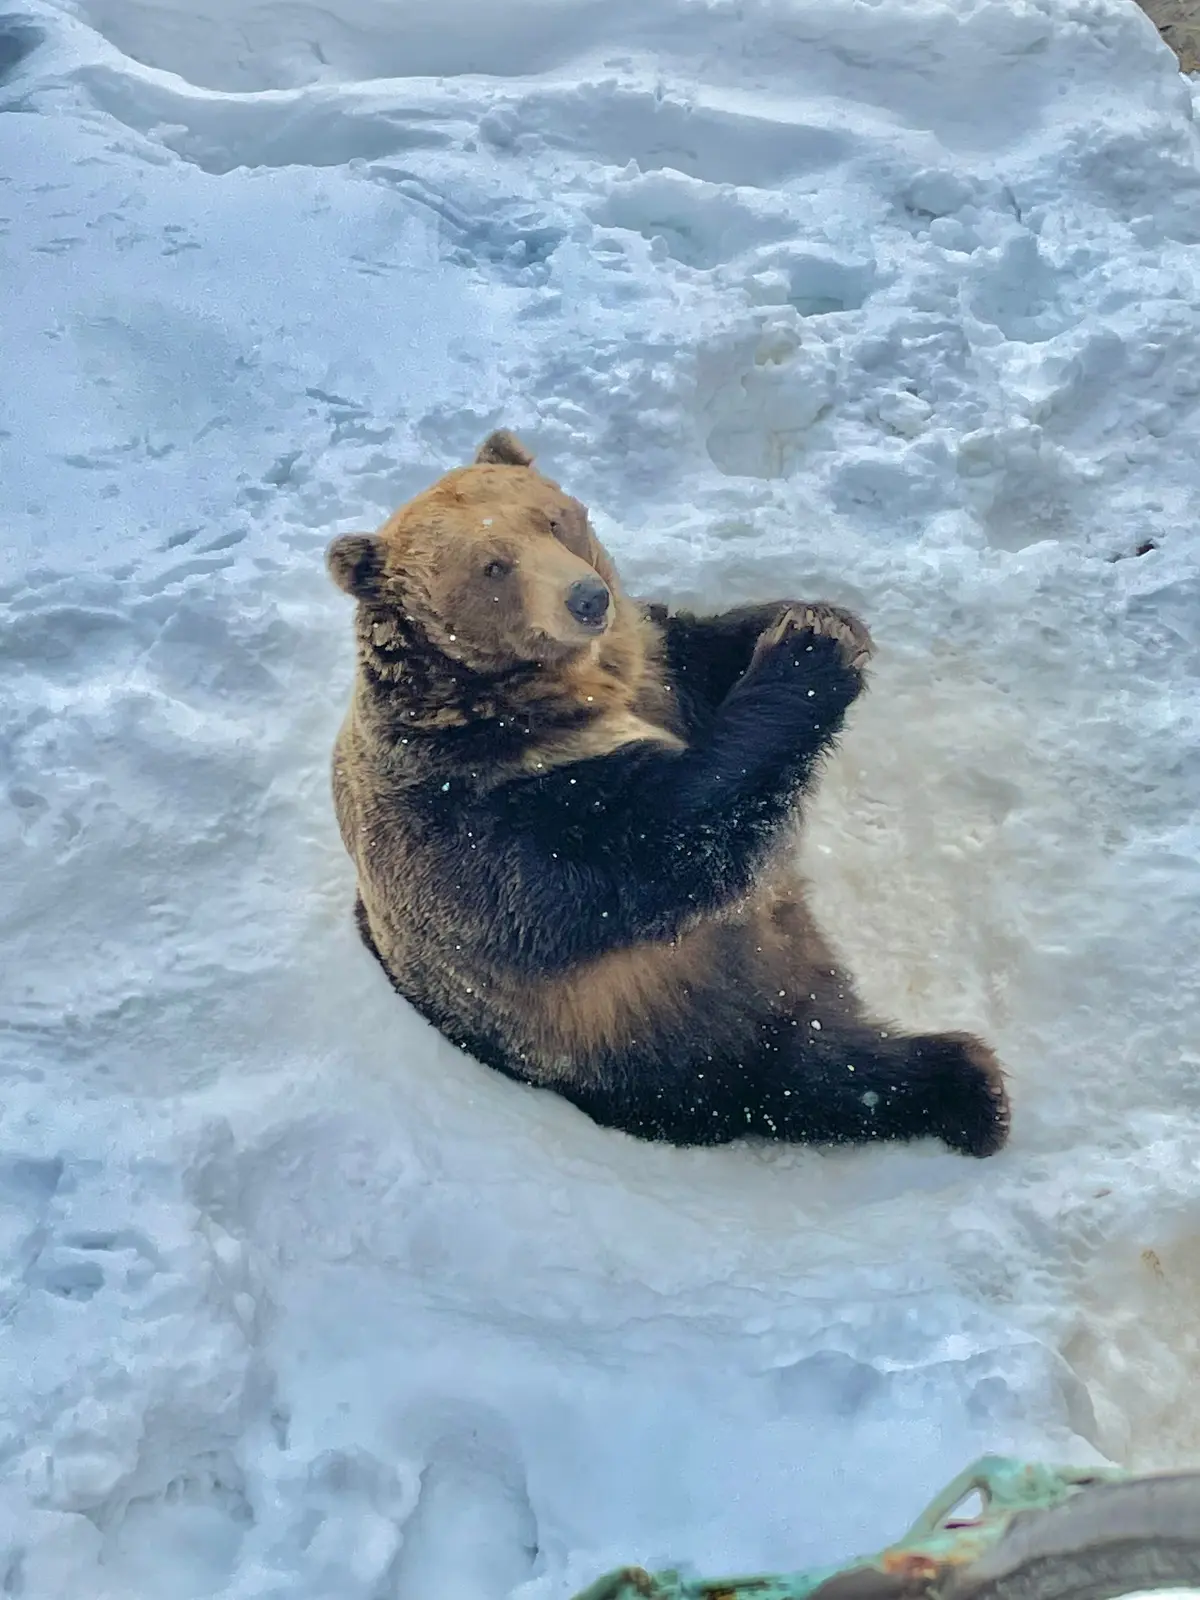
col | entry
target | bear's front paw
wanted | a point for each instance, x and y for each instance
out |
(800, 626)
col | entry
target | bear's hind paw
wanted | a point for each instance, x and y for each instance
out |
(969, 1105)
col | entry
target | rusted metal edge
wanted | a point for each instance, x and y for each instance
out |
(1041, 1533)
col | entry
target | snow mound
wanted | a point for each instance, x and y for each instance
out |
(893, 304)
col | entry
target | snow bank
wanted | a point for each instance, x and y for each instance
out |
(891, 303)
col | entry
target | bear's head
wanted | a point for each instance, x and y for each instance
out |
(491, 568)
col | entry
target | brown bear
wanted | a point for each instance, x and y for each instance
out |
(572, 818)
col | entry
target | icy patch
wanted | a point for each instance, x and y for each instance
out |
(893, 305)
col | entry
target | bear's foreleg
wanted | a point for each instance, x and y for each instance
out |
(707, 655)
(805, 672)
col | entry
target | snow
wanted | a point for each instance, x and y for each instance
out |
(893, 303)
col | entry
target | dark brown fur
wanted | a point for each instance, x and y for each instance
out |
(505, 773)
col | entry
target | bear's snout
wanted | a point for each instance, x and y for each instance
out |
(587, 601)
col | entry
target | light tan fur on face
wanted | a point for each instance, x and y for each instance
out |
(425, 577)
(437, 549)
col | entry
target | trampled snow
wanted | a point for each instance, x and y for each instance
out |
(891, 303)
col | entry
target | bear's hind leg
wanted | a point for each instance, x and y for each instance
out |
(856, 1085)
(851, 1084)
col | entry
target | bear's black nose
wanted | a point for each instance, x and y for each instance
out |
(587, 600)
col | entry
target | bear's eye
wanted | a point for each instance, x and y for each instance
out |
(569, 535)
(497, 569)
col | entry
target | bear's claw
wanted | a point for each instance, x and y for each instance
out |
(854, 643)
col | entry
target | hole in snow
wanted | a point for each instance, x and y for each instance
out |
(1143, 548)
(75, 1280)
(18, 40)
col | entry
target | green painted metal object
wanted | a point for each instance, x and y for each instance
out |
(1041, 1533)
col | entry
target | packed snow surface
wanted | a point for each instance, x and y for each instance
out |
(889, 303)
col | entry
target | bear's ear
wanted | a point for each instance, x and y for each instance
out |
(355, 562)
(503, 449)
